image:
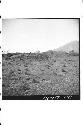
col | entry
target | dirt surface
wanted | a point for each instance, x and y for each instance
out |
(48, 73)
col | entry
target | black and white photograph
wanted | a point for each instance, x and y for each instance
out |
(41, 59)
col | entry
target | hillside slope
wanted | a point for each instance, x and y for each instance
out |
(69, 47)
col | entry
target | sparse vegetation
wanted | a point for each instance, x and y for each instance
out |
(54, 73)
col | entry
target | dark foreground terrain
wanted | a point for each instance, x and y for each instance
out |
(47, 73)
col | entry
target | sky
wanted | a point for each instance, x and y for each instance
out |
(32, 35)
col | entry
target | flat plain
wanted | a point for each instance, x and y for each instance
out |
(46, 73)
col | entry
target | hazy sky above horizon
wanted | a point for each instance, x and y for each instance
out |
(25, 35)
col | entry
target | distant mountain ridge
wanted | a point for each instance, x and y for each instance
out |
(69, 47)
(65, 48)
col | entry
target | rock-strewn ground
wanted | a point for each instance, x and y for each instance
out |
(48, 73)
